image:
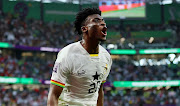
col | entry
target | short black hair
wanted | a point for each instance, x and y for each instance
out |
(81, 17)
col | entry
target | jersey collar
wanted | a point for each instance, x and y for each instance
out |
(85, 52)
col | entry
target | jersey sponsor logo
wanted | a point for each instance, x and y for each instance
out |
(81, 72)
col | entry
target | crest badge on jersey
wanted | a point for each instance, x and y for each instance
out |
(105, 68)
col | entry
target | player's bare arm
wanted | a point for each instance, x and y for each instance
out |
(101, 96)
(53, 95)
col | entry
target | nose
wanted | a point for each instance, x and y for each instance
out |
(105, 27)
(103, 24)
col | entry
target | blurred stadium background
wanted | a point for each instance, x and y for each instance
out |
(145, 51)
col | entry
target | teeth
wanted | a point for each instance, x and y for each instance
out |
(104, 32)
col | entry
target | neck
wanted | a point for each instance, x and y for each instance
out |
(91, 46)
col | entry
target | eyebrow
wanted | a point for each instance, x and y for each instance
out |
(99, 19)
(92, 19)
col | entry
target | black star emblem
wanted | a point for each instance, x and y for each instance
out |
(96, 76)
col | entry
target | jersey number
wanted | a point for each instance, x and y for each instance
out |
(94, 87)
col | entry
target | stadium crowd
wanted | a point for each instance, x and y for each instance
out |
(26, 67)
(127, 38)
(23, 96)
(122, 70)
(113, 97)
(41, 69)
(127, 71)
(141, 97)
(32, 32)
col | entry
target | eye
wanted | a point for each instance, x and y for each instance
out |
(97, 20)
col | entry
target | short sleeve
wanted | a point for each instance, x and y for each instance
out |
(106, 73)
(60, 70)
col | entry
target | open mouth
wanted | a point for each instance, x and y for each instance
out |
(104, 31)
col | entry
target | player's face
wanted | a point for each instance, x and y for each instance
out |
(96, 27)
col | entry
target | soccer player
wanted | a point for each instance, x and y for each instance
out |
(82, 67)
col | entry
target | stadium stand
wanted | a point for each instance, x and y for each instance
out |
(23, 96)
(40, 69)
(32, 32)
(38, 65)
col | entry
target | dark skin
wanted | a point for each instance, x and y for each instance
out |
(53, 95)
(94, 31)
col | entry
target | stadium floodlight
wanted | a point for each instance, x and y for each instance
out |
(151, 39)
(172, 56)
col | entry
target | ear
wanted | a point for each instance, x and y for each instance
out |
(84, 29)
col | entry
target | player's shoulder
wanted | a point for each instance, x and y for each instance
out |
(106, 57)
(67, 50)
(104, 51)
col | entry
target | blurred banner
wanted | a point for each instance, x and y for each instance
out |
(159, 51)
(15, 80)
(146, 83)
(112, 51)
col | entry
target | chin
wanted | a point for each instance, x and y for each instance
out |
(103, 39)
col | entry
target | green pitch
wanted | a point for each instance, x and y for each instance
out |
(134, 12)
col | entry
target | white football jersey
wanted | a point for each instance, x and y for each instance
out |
(80, 74)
